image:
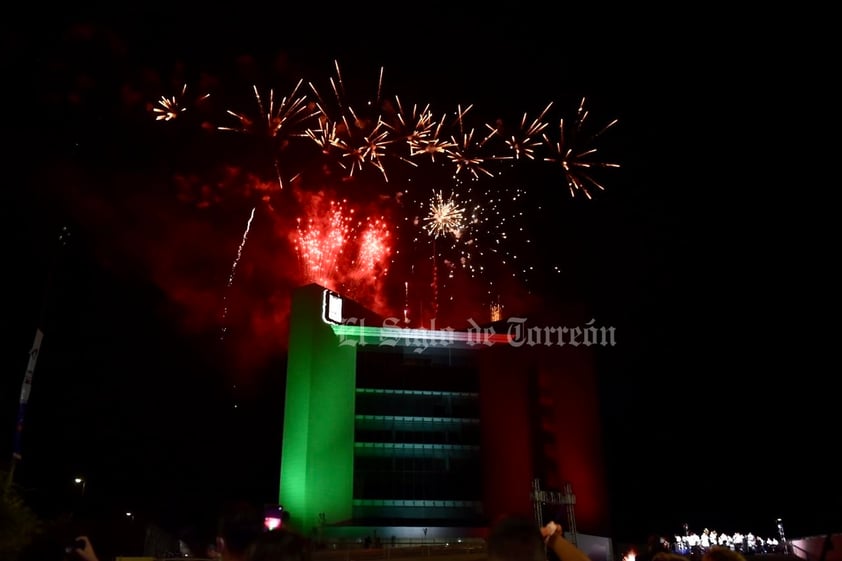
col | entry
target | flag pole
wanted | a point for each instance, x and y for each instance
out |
(24, 399)
(26, 386)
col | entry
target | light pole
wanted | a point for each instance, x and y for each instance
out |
(82, 483)
(781, 534)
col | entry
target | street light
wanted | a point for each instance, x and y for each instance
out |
(81, 482)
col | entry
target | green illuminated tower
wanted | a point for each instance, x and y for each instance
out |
(317, 462)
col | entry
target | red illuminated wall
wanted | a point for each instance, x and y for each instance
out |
(527, 391)
(506, 443)
(578, 438)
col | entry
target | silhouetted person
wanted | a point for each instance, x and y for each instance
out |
(516, 539)
(669, 556)
(240, 524)
(654, 546)
(520, 539)
(719, 553)
(827, 546)
(280, 545)
(556, 543)
(82, 550)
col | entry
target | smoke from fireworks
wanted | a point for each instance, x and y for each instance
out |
(346, 242)
(321, 239)
(341, 251)
(245, 146)
(374, 249)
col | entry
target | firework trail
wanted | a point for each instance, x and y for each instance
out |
(434, 283)
(406, 303)
(234, 270)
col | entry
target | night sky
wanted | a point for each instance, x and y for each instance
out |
(716, 409)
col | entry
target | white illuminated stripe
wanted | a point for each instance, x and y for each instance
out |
(414, 446)
(417, 392)
(405, 419)
(404, 336)
(415, 502)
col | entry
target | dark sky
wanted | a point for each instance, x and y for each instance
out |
(715, 410)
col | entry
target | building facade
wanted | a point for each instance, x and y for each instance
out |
(392, 427)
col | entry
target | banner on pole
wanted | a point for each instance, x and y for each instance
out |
(25, 389)
(30, 368)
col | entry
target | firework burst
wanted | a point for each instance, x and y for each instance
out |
(417, 130)
(573, 152)
(170, 108)
(374, 249)
(337, 249)
(476, 228)
(466, 153)
(433, 144)
(278, 121)
(445, 217)
(360, 139)
(524, 141)
(320, 242)
(477, 238)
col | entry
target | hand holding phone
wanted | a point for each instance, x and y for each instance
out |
(81, 548)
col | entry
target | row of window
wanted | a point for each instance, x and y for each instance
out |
(417, 405)
(466, 435)
(443, 466)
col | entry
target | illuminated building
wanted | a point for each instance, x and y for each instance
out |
(392, 427)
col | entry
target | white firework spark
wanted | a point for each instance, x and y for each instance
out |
(446, 216)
